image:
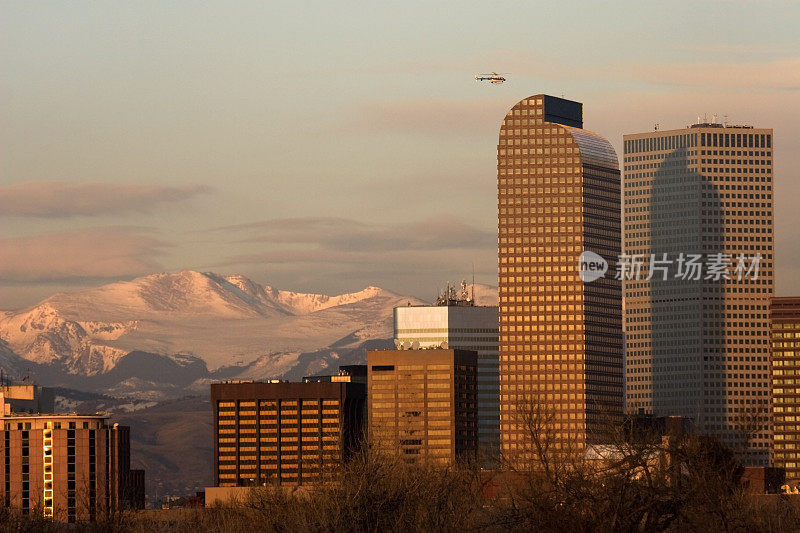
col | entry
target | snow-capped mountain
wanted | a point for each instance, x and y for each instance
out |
(193, 327)
(222, 320)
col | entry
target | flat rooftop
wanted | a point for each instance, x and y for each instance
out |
(54, 415)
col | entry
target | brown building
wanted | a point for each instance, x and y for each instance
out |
(423, 403)
(560, 336)
(698, 214)
(67, 467)
(283, 433)
(785, 321)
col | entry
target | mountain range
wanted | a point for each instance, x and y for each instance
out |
(170, 334)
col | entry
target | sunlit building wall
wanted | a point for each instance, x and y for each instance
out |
(465, 327)
(700, 347)
(423, 404)
(284, 433)
(68, 467)
(560, 338)
(785, 322)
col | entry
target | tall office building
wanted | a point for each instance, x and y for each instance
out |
(68, 467)
(457, 323)
(284, 433)
(785, 322)
(560, 337)
(698, 223)
(422, 404)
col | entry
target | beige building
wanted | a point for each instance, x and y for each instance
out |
(560, 336)
(22, 397)
(68, 467)
(698, 226)
(785, 321)
(422, 404)
(458, 323)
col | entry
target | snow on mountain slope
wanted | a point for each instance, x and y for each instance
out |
(297, 303)
(185, 293)
(301, 304)
(486, 295)
(222, 320)
(44, 336)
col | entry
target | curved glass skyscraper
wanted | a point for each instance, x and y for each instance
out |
(561, 362)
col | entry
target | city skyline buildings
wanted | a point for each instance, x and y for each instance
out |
(67, 467)
(459, 324)
(697, 342)
(560, 338)
(142, 139)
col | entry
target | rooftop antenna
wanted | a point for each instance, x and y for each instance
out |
(714, 118)
(473, 282)
(656, 126)
(725, 120)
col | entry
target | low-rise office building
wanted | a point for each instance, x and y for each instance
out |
(284, 433)
(422, 404)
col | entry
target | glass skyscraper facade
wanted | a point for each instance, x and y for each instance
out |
(560, 337)
(422, 404)
(698, 215)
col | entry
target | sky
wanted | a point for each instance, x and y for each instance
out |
(328, 146)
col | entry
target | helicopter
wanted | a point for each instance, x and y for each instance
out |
(494, 77)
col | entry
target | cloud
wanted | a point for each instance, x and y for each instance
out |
(96, 253)
(347, 235)
(329, 253)
(51, 199)
(728, 48)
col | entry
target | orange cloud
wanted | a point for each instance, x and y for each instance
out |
(97, 253)
(51, 199)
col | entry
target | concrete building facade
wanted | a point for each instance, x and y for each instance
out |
(698, 234)
(22, 397)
